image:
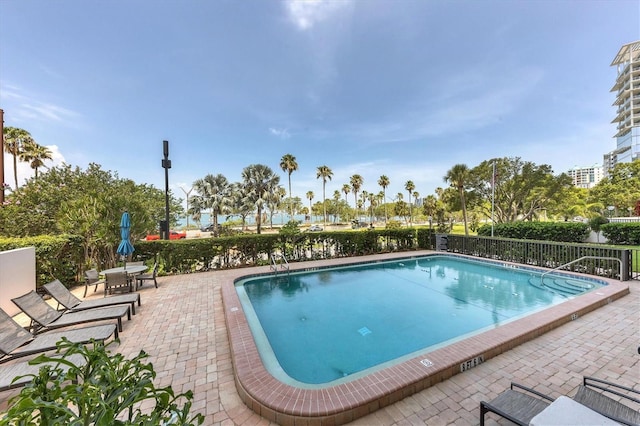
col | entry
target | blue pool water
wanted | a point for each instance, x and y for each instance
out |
(324, 325)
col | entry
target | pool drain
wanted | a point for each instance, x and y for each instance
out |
(364, 331)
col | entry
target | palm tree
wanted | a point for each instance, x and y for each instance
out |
(310, 196)
(34, 154)
(260, 183)
(288, 164)
(325, 173)
(384, 183)
(14, 141)
(372, 203)
(346, 188)
(275, 202)
(215, 194)
(457, 177)
(356, 182)
(409, 186)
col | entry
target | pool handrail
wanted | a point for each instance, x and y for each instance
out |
(579, 259)
(284, 264)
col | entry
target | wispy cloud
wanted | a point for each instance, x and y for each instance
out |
(26, 107)
(281, 133)
(305, 14)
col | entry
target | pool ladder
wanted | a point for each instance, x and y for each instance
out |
(282, 262)
(578, 260)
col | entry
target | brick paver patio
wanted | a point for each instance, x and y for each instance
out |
(182, 326)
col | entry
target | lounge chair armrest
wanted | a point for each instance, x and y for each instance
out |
(535, 392)
(611, 387)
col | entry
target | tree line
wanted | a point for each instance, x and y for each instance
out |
(502, 189)
(89, 202)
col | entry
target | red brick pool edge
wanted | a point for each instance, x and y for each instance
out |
(339, 404)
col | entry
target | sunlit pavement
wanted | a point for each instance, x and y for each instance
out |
(181, 326)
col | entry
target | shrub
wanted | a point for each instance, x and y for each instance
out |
(57, 256)
(110, 390)
(544, 231)
(622, 233)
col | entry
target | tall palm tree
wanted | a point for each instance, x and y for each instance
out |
(288, 164)
(325, 173)
(14, 140)
(457, 177)
(310, 196)
(410, 186)
(34, 154)
(384, 183)
(356, 182)
(346, 188)
(260, 183)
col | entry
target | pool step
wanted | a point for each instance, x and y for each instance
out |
(562, 286)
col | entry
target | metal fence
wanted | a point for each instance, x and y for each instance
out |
(552, 255)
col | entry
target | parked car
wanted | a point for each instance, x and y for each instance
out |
(173, 235)
(315, 228)
(355, 224)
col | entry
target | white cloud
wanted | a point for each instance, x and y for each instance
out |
(307, 13)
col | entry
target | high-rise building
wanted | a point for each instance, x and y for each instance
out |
(586, 177)
(627, 89)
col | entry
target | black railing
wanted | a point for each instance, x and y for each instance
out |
(551, 255)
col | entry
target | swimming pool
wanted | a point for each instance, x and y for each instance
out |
(319, 327)
(368, 391)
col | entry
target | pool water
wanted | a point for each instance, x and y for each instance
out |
(325, 325)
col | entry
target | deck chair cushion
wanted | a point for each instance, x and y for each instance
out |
(20, 374)
(516, 406)
(67, 299)
(15, 341)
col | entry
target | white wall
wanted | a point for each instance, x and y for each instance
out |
(17, 276)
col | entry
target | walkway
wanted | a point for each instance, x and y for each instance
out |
(181, 325)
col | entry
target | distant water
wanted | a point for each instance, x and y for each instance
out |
(278, 219)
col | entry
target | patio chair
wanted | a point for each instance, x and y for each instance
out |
(117, 282)
(591, 394)
(16, 342)
(64, 297)
(91, 277)
(44, 317)
(140, 279)
(21, 373)
(515, 405)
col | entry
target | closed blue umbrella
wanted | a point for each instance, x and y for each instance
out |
(125, 248)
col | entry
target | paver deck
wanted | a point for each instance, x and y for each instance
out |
(181, 325)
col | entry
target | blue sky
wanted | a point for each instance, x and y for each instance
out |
(402, 88)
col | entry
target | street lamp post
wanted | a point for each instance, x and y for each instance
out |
(186, 193)
(166, 165)
(611, 209)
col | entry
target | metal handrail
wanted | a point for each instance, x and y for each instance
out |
(274, 265)
(578, 260)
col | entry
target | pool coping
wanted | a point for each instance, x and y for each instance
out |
(342, 403)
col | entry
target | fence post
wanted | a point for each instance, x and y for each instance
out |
(625, 265)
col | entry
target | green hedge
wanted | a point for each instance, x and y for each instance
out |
(622, 233)
(58, 257)
(573, 232)
(62, 257)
